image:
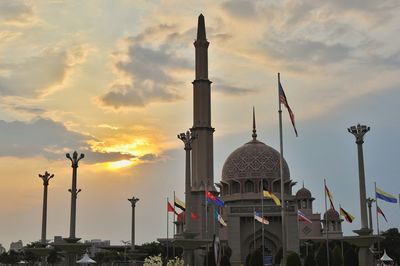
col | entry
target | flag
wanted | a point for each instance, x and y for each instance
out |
(179, 204)
(349, 218)
(260, 218)
(218, 217)
(270, 195)
(328, 193)
(302, 217)
(194, 216)
(283, 100)
(214, 199)
(381, 212)
(170, 208)
(180, 217)
(380, 194)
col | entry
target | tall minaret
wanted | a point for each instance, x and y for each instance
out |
(202, 152)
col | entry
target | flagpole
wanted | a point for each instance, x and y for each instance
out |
(262, 214)
(167, 226)
(173, 230)
(206, 225)
(377, 223)
(282, 184)
(326, 224)
(341, 241)
(254, 229)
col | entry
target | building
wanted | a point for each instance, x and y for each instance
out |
(246, 172)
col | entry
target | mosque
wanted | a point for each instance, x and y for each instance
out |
(246, 171)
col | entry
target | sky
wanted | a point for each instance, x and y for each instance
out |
(112, 80)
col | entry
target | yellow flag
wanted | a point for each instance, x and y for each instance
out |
(270, 195)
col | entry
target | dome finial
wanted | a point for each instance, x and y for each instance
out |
(303, 183)
(254, 135)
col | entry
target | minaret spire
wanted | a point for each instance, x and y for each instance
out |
(254, 135)
(201, 29)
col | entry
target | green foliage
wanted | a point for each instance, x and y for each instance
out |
(350, 256)
(337, 259)
(391, 244)
(310, 261)
(256, 258)
(153, 261)
(278, 256)
(322, 257)
(54, 257)
(11, 257)
(293, 259)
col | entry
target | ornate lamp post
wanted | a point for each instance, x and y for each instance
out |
(133, 201)
(364, 256)
(74, 193)
(187, 139)
(359, 131)
(46, 178)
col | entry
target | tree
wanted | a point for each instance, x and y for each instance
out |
(337, 259)
(278, 256)
(293, 259)
(391, 244)
(54, 257)
(310, 261)
(350, 257)
(321, 257)
(256, 258)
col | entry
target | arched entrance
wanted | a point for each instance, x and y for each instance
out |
(272, 243)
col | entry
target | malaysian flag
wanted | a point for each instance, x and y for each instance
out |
(283, 100)
(302, 217)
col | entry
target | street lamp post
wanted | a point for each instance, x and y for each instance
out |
(133, 201)
(187, 139)
(74, 194)
(46, 178)
(369, 203)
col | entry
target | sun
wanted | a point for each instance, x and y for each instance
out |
(118, 164)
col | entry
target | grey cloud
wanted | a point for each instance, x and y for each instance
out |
(45, 137)
(33, 76)
(149, 157)
(149, 69)
(307, 51)
(240, 8)
(232, 90)
(16, 11)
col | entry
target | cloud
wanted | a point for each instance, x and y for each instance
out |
(240, 8)
(45, 137)
(41, 74)
(17, 12)
(147, 73)
(307, 51)
(231, 90)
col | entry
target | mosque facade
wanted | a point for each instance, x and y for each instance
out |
(248, 170)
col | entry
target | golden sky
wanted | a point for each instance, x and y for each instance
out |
(112, 79)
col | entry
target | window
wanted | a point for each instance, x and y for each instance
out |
(235, 187)
(248, 186)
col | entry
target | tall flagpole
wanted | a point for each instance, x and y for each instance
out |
(254, 229)
(167, 227)
(326, 224)
(262, 215)
(282, 184)
(173, 230)
(206, 216)
(377, 222)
